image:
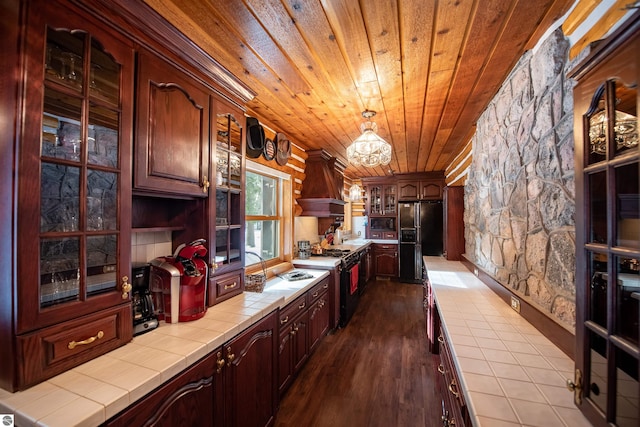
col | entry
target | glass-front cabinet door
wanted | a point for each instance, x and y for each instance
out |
(74, 248)
(229, 215)
(606, 384)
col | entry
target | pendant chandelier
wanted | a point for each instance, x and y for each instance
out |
(355, 193)
(369, 149)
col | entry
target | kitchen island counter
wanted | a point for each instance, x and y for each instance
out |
(510, 373)
(92, 393)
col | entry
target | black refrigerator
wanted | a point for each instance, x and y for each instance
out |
(421, 225)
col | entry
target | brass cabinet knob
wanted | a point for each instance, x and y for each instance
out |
(205, 184)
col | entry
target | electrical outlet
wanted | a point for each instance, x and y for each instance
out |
(515, 304)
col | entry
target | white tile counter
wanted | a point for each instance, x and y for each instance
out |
(90, 394)
(511, 374)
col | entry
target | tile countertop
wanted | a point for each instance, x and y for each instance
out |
(330, 262)
(511, 374)
(91, 393)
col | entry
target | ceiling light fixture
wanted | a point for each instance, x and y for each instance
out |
(355, 193)
(369, 149)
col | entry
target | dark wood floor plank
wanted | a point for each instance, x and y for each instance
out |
(375, 372)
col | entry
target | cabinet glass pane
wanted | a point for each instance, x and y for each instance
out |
(625, 129)
(102, 142)
(102, 200)
(61, 132)
(222, 207)
(102, 259)
(222, 254)
(627, 197)
(597, 129)
(390, 200)
(627, 299)
(234, 244)
(598, 289)
(222, 168)
(376, 200)
(235, 135)
(104, 80)
(598, 209)
(627, 386)
(59, 270)
(222, 127)
(235, 170)
(59, 198)
(64, 58)
(597, 389)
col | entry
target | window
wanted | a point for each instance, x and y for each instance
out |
(265, 211)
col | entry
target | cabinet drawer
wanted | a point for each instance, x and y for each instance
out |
(225, 286)
(56, 349)
(293, 309)
(317, 291)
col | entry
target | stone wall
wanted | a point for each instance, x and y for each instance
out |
(520, 195)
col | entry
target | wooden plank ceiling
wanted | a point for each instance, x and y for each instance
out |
(427, 67)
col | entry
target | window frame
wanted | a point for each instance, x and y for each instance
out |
(283, 214)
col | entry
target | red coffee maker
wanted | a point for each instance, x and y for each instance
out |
(179, 283)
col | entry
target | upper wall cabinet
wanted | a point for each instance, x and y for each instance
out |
(74, 183)
(420, 187)
(172, 135)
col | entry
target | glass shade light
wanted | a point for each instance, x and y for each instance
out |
(369, 149)
(355, 193)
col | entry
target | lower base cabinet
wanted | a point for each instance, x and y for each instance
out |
(185, 400)
(386, 259)
(235, 386)
(303, 323)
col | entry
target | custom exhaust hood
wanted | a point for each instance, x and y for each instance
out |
(323, 186)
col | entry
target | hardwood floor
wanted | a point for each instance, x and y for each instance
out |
(375, 372)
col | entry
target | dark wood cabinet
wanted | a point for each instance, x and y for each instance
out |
(454, 223)
(454, 408)
(250, 375)
(422, 186)
(172, 132)
(319, 313)
(607, 179)
(293, 348)
(188, 399)
(385, 259)
(68, 299)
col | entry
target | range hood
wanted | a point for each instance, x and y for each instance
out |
(323, 186)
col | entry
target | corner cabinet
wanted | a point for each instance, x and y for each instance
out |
(607, 157)
(172, 131)
(73, 219)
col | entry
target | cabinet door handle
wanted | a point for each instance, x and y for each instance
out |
(126, 287)
(231, 286)
(315, 294)
(301, 306)
(230, 355)
(441, 339)
(74, 344)
(285, 320)
(205, 184)
(326, 286)
(453, 389)
(219, 362)
(441, 369)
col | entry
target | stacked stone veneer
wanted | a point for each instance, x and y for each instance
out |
(520, 195)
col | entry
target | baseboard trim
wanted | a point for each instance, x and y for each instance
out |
(557, 334)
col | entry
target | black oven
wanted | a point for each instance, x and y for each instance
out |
(349, 287)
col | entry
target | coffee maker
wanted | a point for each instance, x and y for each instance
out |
(144, 318)
(179, 283)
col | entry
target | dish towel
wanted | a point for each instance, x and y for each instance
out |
(354, 278)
